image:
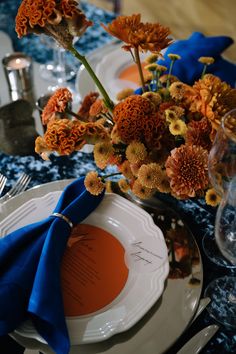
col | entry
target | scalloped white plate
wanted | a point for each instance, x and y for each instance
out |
(145, 254)
(108, 62)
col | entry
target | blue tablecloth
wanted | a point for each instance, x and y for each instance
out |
(199, 218)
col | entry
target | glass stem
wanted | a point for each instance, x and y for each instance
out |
(108, 102)
(59, 58)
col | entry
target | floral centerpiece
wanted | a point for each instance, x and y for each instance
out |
(158, 137)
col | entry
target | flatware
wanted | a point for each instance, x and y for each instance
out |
(20, 185)
(199, 340)
(3, 181)
(202, 305)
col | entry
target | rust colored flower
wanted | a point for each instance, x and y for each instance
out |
(56, 104)
(139, 35)
(60, 19)
(212, 98)
(93, 183)
(97, 108)
(186, 168)
(58, 136)
(135, 117)
(199, 133)
(86, 105)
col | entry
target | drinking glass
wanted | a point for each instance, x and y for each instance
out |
(58, 70)
(222, 291)
(222, 169)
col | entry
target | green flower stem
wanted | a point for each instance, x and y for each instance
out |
(108, 102)
(204, 71)
(111, 175)
(138, 62)
(169, 74)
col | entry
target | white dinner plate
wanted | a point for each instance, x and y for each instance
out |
(146, 257)
(159, 328)
(108, 62)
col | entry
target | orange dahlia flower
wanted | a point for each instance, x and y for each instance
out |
(139, 35)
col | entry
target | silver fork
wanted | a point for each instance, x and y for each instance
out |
(20, 185)
(3, 181)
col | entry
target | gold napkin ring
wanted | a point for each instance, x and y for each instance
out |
(63, 217)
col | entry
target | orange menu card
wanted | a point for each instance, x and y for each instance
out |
(93, 270)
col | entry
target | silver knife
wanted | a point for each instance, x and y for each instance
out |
(197, 342)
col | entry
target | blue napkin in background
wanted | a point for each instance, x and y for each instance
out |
(30, 260)
(188, 69)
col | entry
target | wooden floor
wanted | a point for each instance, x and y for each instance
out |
(212, 17)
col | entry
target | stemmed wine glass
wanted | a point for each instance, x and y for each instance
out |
(58, 70)
(222, 169)
(222, 174)
(222, 291)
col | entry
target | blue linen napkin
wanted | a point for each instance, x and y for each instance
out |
(188, 69)
(30, 261)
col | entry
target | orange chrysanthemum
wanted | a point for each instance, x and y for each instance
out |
(186, 168)
(56, 104)
(212, 98)
(139, 35)
(93, 183)
(61, 19)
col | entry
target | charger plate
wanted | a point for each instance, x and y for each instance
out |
(146, 257)
(169, 316)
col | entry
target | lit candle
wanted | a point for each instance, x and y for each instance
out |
(18, 63)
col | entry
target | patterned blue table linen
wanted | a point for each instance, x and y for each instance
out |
(30, 262)
(197, 216)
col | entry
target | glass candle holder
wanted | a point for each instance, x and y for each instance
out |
(18, 71)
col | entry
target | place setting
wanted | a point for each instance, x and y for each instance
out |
(126, 175)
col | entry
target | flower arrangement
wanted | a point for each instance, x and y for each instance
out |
(158, 137)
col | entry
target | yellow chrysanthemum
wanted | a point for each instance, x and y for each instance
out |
(154, 97)
(102, 153)
(124, 94)
(151, 67)
(136, 152)
(161, 68)
(178, 127)
(170, 115)
(174, 56)
(140, 191)
(151, 59)
(124, 185)
(206, 60)
(125, 169)
(93, 183)
(212, 198)
(150, 175)
(164, 185)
